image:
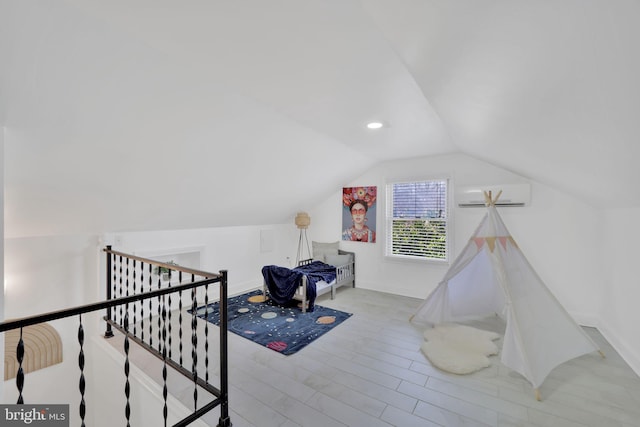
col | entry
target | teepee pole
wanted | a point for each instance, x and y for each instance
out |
(487, 198)
(537, 393)
(497, 197)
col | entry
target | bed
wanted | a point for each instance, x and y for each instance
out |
(311, 278)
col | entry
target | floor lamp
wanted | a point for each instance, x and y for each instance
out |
(302, 222)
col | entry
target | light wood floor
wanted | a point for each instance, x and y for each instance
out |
(370, 372)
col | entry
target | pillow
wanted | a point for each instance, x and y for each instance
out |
(320, 250)
(337, 260)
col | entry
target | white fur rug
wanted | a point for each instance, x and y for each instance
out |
(459, 349)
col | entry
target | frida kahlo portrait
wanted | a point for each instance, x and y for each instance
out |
(359, 214)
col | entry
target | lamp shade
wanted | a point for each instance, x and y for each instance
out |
(302, 220)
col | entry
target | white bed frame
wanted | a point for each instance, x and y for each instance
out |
(345, 275)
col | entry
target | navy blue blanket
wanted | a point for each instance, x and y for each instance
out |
(282, 282)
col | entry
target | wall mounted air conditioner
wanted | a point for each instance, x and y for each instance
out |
(512, 195)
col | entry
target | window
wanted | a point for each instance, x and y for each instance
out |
(417, 217)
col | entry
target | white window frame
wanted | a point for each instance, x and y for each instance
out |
(389, 222)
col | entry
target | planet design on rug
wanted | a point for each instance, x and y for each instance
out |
(202, 311)
(326, 320)
(277, 345)
(290, 319)
(257, 298)
(269, 315)
(243, 310)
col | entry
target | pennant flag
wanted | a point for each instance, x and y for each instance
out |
(491, 241)
(503, 242)
(479, 242)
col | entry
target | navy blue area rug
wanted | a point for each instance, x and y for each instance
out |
(282, 329)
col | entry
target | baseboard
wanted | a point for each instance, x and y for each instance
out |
(384, 288)
(587, 320)
(629, 356)
(233, 289)
(632, 359)
(241, 288)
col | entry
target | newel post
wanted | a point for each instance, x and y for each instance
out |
(108, 333)
(224, 420)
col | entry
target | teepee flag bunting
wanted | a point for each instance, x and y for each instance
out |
(491, 275)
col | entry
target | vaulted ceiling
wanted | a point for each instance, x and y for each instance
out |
(157, 114)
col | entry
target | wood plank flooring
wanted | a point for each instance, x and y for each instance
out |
(369, 372)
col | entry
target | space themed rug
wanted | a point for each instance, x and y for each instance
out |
(282, 329)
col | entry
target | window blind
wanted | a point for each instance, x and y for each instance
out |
(417, 218)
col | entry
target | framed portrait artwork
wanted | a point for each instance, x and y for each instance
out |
(359, 214)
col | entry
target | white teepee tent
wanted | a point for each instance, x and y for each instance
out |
(491, 275)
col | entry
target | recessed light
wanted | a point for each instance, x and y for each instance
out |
(374, 125)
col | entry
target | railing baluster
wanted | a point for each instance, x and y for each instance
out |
(165, 390)
(20, 374)
(180, 327)
(170, 327)
(83, 407)
(127, 287)
(150, 306)
(114, 283)
(194, 346)
(206, 334)
(135, 327)
(120, 290)
(127, 386)
(159, 314)
(142, 302)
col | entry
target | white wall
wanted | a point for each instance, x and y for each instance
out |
(240, 250)
(46, 274)
(557, 233)
(50, 272)
(619, 313)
